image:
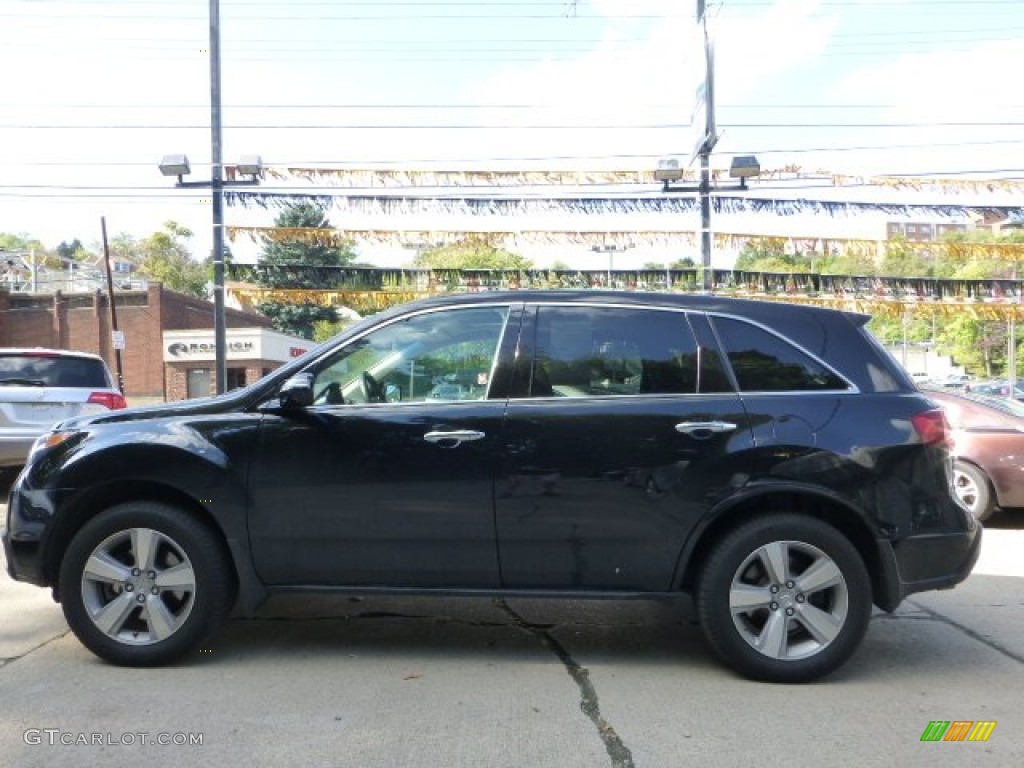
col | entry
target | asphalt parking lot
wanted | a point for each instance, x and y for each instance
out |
(341, 681)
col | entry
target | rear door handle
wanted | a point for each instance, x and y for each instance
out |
(453, 438)
(704, 429)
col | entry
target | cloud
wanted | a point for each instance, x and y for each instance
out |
(753, 50)
(945, 86)
(644, 73)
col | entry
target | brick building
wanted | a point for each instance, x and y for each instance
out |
(81, 321)
(917, 231)
(190, 358)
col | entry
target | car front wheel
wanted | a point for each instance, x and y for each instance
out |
(784, 598)
(143, 583)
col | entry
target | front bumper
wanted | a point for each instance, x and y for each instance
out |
(23, 538)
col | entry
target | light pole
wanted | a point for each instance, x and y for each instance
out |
(708, 141)
(177, 165)
(611, 250)
(743, 167)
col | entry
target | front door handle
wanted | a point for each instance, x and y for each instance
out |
(453, 438)
(704, 429)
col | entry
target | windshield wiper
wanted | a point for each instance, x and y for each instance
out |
(22, 382)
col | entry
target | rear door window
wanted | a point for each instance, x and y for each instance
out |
(595, 351)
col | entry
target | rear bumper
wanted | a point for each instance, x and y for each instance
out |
(926, 562)
(14, 449)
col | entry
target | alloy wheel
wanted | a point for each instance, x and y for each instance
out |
(138, 586)
(788, 600)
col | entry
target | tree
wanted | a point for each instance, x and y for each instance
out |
(301, 318)
(299, 251)
(471, 255)
(21, 242)
(768, 254)
(900, 260)
(978, 344)
(164, 257)
(72, 250)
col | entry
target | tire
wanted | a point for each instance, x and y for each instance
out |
(763, 614)
(973, 489)
(139, 616)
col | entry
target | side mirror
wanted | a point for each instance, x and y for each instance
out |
(297, 392)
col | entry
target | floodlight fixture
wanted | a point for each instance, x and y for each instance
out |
(669, 169)
(250, 165)
(744, 167)
(175, 165)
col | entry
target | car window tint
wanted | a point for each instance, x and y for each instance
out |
(592, 351)
(445, 355)
(53, 371)
(763, 362)
(713, 376)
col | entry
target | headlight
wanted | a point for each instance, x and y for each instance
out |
(50, 440)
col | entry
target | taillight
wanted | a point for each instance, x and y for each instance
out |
(932, 427)
(111, 400)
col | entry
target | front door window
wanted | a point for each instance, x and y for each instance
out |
(431, 357)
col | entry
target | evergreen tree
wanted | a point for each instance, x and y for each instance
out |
(305, 254)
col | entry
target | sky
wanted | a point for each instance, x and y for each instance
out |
(95, 92)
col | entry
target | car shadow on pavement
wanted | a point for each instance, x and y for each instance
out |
(634, 631)
(922, 636)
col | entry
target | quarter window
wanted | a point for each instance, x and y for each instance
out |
(763, 362)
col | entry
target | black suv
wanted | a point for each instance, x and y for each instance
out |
(770, 460)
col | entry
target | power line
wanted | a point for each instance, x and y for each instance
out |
(504, 126)
(539, 106)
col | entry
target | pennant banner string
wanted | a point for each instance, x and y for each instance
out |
(425, 177)
(889, 296)
(503, 236)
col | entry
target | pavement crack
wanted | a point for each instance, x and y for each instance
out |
(11, 659)
(969, 632)
(619, 753)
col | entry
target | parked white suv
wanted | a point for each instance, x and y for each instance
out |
(40, 387)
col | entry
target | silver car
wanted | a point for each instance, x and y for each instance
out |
(39, 387)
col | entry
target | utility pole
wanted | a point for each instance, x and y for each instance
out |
(113, 309)
(220, 333)
(708, 143)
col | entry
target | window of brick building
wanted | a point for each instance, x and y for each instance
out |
(236, 378)
(198, 383)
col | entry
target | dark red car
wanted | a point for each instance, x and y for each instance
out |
(988, 449)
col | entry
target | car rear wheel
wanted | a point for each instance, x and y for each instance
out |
(973, 489)
(144, 583)
(784, 598)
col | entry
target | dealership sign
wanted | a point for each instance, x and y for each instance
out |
(198, 346)
(204, 349)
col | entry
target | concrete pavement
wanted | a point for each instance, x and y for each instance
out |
(337, 681)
